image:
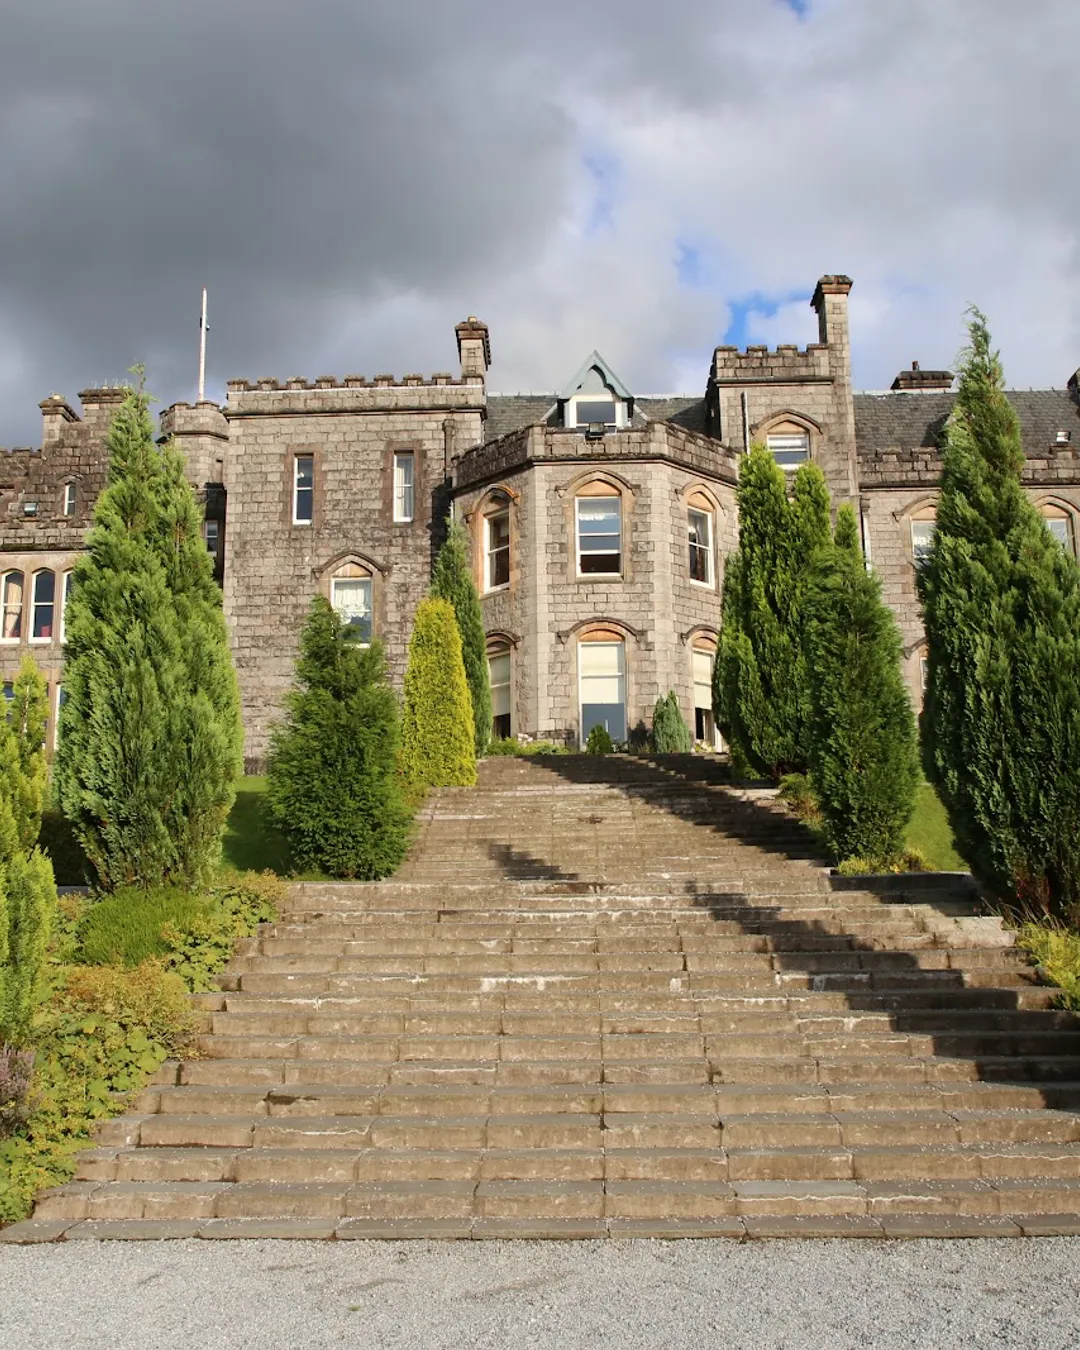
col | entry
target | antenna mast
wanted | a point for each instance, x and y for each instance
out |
(202, 349)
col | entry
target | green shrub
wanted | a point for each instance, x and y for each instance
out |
(1055, 949)
(1001, 606)
(16, 1076)
(332, 787)
(908, 860)
(28, 906)
(104, 1034)
(128, 926)
(863, 752)
(452, 580)
(599, 742)
(797, 792)
(670, 734)
(761, 694)
(59, 841)
(438, 744)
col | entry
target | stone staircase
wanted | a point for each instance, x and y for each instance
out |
(607, 997)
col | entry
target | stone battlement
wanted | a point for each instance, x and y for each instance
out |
(354, 394)
(785, 363)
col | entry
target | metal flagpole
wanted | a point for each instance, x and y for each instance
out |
(202, 349)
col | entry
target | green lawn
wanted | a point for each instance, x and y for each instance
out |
(929, 832)
(251, 842)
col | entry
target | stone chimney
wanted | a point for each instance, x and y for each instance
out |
(56, 414)
(474, 347)
(927, 381)
(99, 407)
(830, 301)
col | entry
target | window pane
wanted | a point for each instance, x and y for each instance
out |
(922, 537)
(598, 517)
(403, 487)
(595, 410)
(703, 671)
(1059, 528)
(211, 530)
(607, 564)
(351, 597)
(13, 603)
(789, 450)
(66, 584)
(499, 673)
(599, 525)
(69, 499)
(700, 531)
(304, 489)
(44, 595)
(498, 550)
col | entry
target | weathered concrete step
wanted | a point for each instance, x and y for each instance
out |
(538, 1199)
(825, 1161)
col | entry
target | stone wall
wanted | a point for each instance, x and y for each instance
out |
(273, 567)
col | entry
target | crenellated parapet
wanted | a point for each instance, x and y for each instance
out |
(298, 396)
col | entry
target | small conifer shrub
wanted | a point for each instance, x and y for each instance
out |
(599, 742)
(670, 734)
(438, 739)
(333, 786)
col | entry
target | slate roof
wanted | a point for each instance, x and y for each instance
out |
(513, 412)
(891, 423)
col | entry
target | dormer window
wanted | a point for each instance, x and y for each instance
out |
(1063, 438)
(596, 402)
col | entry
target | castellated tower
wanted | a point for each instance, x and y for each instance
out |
(799, 402)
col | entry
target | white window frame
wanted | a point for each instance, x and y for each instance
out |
(1064, 520)
(335, 582)
(587, 500)
(70, 495)
(708, 549)
(297, 519)
(489, 552)
(572, 405)
(783, 442)
(34, 602)
(56, 717)
(623, 686)
(216, 531)
(695, 652)
(502, 653)
(404, 492)
(65, 596)
(12, 572)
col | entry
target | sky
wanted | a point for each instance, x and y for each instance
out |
(350, 178)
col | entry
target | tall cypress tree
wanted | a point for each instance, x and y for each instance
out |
(150, 735)
(864, 762)
(333, 788)
(452, 580)
(1001, 606)
(437, 732)
(760, 685)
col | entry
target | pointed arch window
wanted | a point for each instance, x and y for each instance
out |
(789, 444)
(351, 595)
(43, 606)
(922, 525)
(1059, 523)
(12, 600)
(496, 544)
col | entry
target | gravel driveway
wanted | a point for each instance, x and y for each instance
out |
(277, 1295)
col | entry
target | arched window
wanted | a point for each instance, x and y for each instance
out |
(351, 596)
(499, 675)
(700, 523)
(495, 542)
(602, 683)
(13, 589)
(43, 606)
(921, 524)
(703, 658)
(1059, 523)
(598, 525)
(789, 443)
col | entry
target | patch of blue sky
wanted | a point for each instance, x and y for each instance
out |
(696, 265)
(602, 170)
(801, 7)
(757, 304)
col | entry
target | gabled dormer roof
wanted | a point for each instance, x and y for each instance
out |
(581, 381)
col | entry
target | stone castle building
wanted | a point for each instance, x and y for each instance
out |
(599, 518)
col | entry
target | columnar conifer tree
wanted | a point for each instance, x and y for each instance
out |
(334, 789)
(28, 899)
(670, 734)
(1001, 605)
(864, 765)
(760, 687)
(150, 735)
(438, 744)
(453, 580)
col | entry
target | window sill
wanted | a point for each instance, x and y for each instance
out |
(404, 520)
(703, 585)
(307, 524)
(497, 590)
(40, 642)
(600, 576)
(10, 642)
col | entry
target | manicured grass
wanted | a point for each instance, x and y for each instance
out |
(930, 833)
(251, 841)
